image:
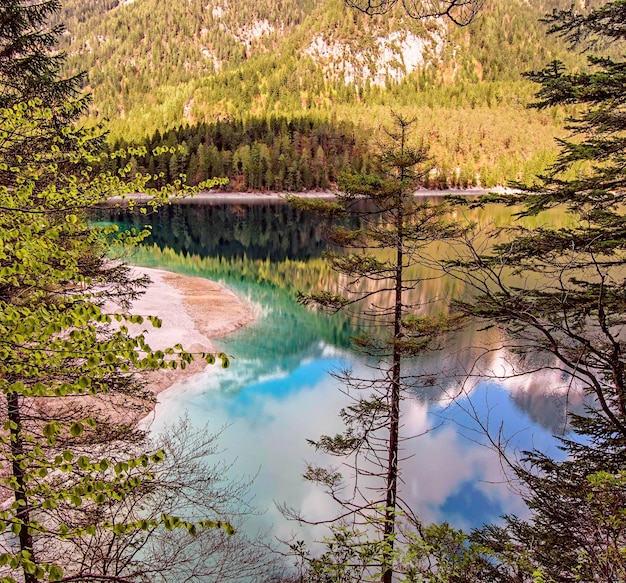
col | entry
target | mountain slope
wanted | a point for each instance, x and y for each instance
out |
(157, 64)
(131, 48)
(135, 48)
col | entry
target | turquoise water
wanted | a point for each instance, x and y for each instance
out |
(279, 391)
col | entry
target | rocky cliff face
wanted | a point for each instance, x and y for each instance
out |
(389, 57)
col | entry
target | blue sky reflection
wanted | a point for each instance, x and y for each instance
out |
(270, 411)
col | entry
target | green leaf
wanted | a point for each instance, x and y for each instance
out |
(55, 573)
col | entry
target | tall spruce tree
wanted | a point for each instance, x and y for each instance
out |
(30, 72)
(388, 233)
(561, 292)
(29, 67)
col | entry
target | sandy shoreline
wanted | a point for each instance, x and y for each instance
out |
(194, 311)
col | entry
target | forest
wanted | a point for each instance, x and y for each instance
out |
(276, 154)
(321, 62)
(90, 496)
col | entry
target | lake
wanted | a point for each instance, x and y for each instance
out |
(279, 392)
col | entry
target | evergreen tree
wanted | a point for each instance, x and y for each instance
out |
(572, 308)
(388, 234)
(29, 70)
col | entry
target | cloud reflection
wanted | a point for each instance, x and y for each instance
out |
(449, 474)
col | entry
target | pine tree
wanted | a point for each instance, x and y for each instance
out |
(387, 234)
(572, 309)
(30, 72)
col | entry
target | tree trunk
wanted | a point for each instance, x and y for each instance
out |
(394, 408)
(22, 513)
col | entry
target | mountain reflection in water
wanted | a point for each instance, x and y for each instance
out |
(254, 230)
(278, 392)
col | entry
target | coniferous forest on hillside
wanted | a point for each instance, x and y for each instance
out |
(184, 67)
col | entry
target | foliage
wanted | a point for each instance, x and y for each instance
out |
(436, 553)
(559, 292)
(62, 448)
(60, 347)
(188, 485)
(393, 233)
